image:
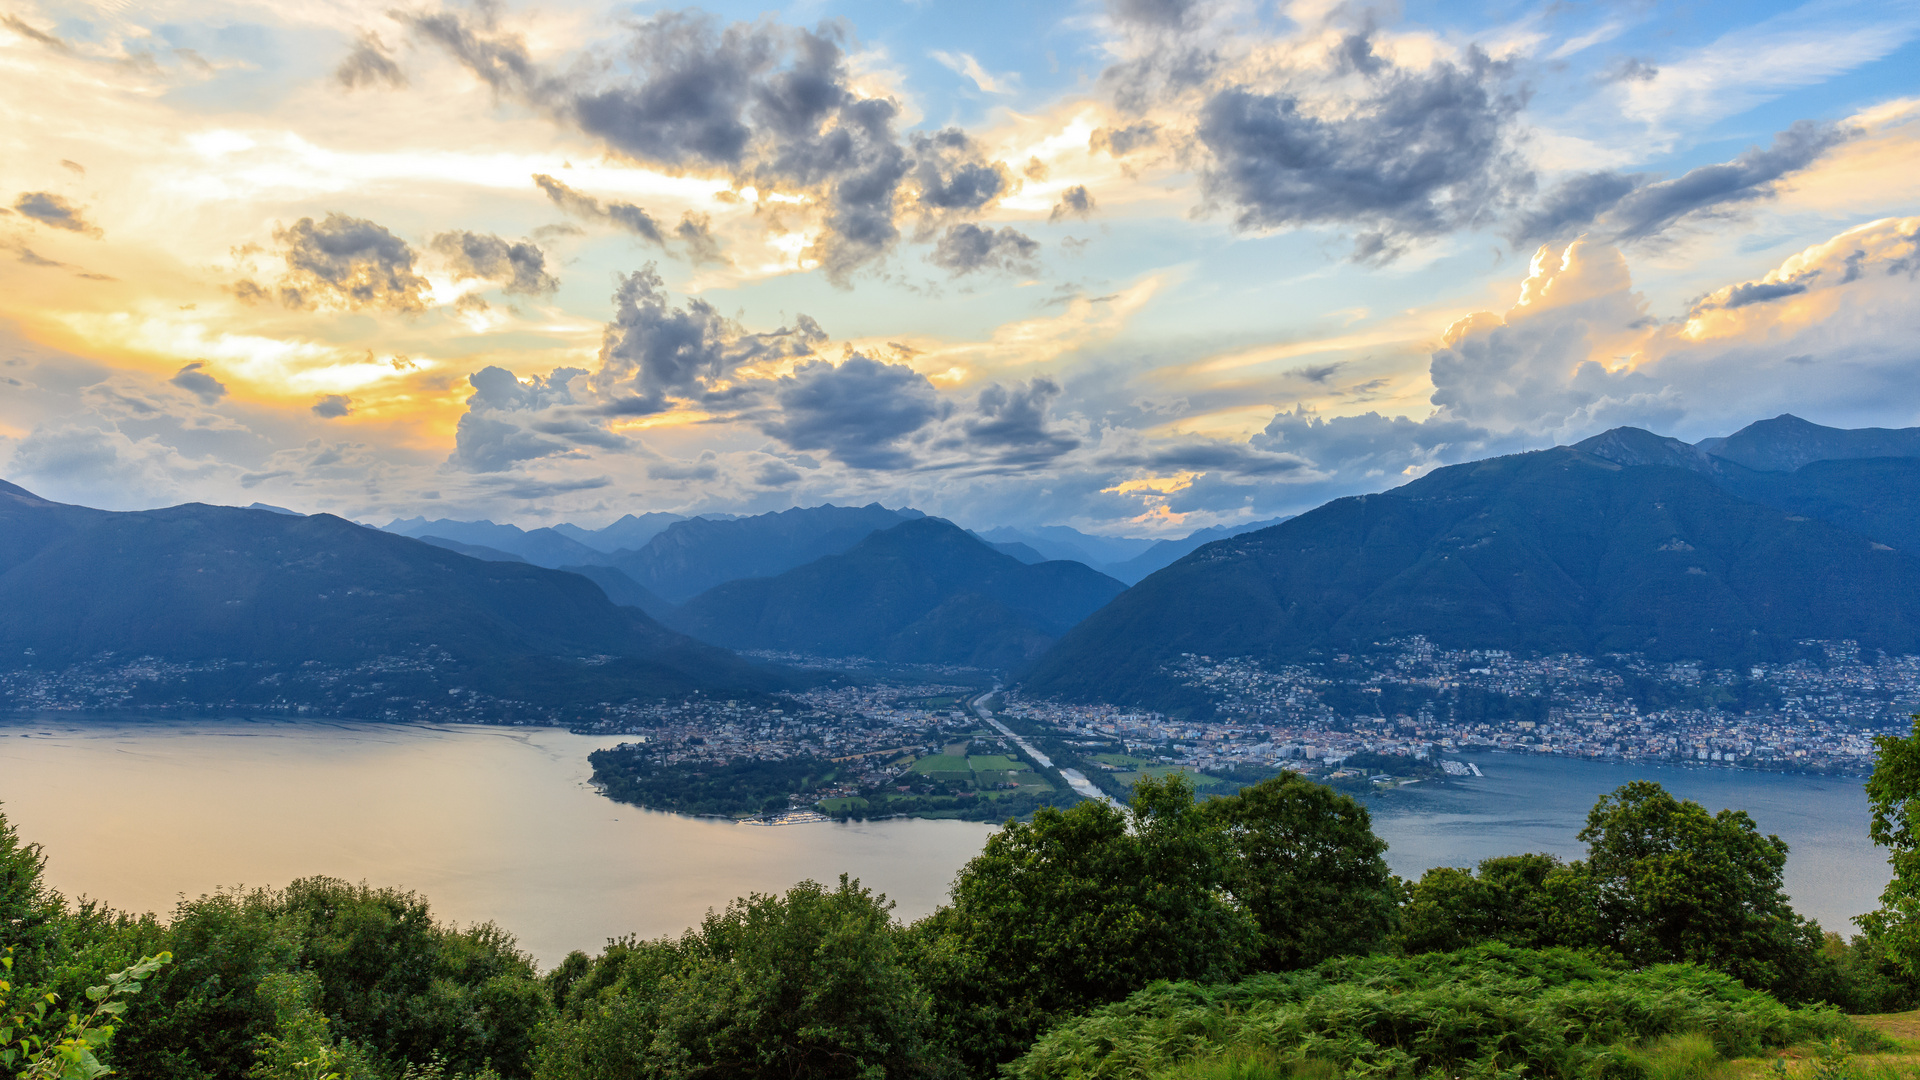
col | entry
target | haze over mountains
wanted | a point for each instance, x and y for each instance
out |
(1729, 550)
(273, 597)
(1627, 542)
(925, 591)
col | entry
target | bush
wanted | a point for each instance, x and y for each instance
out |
(1487, 1011)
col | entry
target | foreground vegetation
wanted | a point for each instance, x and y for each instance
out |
(1254, 935)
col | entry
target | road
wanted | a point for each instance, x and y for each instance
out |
(1074, 778)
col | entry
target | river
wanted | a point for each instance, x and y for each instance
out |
(499, 824)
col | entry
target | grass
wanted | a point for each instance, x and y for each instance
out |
(996, 763)
(942, 763)
(1124, 761)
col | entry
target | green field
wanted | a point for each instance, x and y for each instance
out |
(1124, 761)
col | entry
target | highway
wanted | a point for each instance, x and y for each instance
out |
(1074, 778)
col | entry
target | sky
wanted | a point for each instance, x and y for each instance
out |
(1134, 266)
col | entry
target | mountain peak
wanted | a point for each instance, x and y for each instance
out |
(1638, 446)
(1787, 442)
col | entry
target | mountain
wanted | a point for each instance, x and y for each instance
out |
(629, 532)
(471, 551)
(1063, 542)
(1555, 550)
(274, 601)
(1165, 553)
(623, 590)
(692, 556)
(541, 547)
(925, 591)
(1786, 443)
(1015, 549)
(1877, 497)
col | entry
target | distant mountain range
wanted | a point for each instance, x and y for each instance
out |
(1627, 542)
(1125, 558)
(923, 591)
(273, 595)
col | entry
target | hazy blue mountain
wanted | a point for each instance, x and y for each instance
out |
(268, 593)
(925, 591)
(273, 509)
(471, 551)
(541, 547)
(622, 589)
(1063, 542)
(630, 531)
(1163, 553)
(1016, 549)
(692, 556)
(1556, 550)
(1786, 443)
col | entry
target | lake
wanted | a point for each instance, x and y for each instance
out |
(494, 823)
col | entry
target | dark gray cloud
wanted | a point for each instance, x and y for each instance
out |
(73, 166)
(1156, 14)
(1119, 142)
(1010, 424)
(54, 212)
(1629, 207)
(1656, 207)
(345, 262)
(857, 412)
(547, 489)
(369, 63)
(333, 406)
(952, 176)
(966, 248)
(1572, 205)
(1076, 201)
(768, 104)
(622, 214)
(651, 351)
(519, 266)
(1425, 153)
(775, 473)
(1317, 373)
(493, 434)
(15, 24)
(1230, 458)
(704, 468)
(1759, 292)
(194, 380)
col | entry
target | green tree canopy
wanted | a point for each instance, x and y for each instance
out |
(1528, 901)
(1893, 792)
(1304, 862)
(1671, 883)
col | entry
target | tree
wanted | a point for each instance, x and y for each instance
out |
(1893, 792)
(1670, 882)
(1527, 901)
(1079, 908)
(29, 910)
(1304, 862)
(812, 985)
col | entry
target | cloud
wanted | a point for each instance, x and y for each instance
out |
(1010, 425)
(369, 63)
(964, 64)
(769, 105)
(194, 380)
(624, 215)
(704, 468)
(1119, 142)
(1638, 207)
(967, 248)
(492, 437)
(650, 352)
(520, 267)
(51, 41)
(856, 412)
(333, 406)
(951, 176)
(54, 212)
(1421, 154)
(1076, 201)
(343, 262)
(1157, 14)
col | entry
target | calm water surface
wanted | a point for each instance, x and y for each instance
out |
(499, 823)
(486, 822)
(1537, 802)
